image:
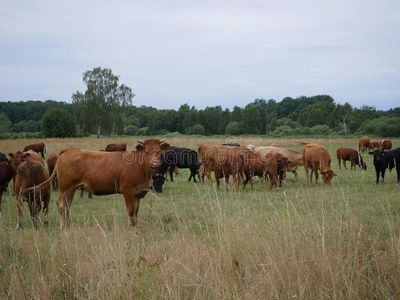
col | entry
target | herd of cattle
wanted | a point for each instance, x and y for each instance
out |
(134, 173)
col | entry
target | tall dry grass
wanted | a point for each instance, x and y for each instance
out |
(305, 242)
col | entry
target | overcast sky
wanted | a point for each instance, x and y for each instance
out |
(204, 53)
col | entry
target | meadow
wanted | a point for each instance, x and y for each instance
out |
(194, 242)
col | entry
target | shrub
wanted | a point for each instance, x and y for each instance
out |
(143, 131)
(283, 131)
(57, 122)
(320, 130)
(234, 128)
(196, 129)
(130, 130)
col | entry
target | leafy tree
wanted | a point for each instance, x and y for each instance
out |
(30, 126)
(362, 114)
(320, 130)
(341, 116)
(196, 129)
(143, 131)
(234, 128)
(252, 119)
(5, 124)
(236, 114)
(223, 121)
(130, 130)
(316, 114)
(98, 107)
(57, 122)
(211, 119)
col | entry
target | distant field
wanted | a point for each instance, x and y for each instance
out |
(304, 242)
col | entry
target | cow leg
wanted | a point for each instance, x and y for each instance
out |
(132, 207)
(46, 201)
(171, 172)
(340, 167)
(397, 170)
(344, 164)
(64, 204)
(227, 182)
(1, 199)
(295, 175)
(377, 176)
(316, 176)
(20, 206)
(236, 181)
(383, 176)
(216, 174)
(274, 182)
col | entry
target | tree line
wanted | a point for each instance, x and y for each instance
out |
(106, 108)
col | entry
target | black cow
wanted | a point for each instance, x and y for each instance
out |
(158, 181)
(2, 157)
(183, 158)
(231, 144)
(6, 174)
(383, 160)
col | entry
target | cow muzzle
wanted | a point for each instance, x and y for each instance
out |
(154, 165)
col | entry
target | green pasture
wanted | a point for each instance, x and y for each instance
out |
(194, 242)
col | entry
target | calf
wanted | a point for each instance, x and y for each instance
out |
(116, 147)
(182, 158)
(316, 157)
(30, 174)
(363, 144)
(51, 164)
(39, 148)
(385, 145)
(158, 181)
(7, 172)
(345, 154)
(274, 165)
(383, 160)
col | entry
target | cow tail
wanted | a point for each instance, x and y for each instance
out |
(44, 150)
(44, 184)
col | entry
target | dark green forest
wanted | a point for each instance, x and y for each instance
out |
(316, 115)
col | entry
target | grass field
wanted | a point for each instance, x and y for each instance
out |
(304, 242)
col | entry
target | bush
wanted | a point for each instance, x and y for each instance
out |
(283, 131)
(143, 131)
(382, 127)
(130, 130)
(320, 130)
(57, 122)
(173, 134)
(305, 130)
(196, 129)
(234, 128)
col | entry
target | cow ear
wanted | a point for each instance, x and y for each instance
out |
(11, 155)
(139, 147)
(26, 155)
(289, 162)
(164, 146)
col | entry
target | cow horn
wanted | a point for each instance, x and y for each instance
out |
(161, 142)
(140, 142)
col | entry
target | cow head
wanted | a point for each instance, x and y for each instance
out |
(153, 148)
(17, 158)
(327, 176)
(158, 181)
(379, 156)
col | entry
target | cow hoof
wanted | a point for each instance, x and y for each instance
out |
(46, 223)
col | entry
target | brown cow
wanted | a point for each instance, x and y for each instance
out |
(373, 145)
(363, 144)
(273, 165)
(345, 154)
(116, 147)
(295, 157)
(225, 161)
(273, 145)
(39, 148)
(30, 174)
(51, 164)
(15, 159)
(385, 145)
(7, 172)
(316, 157)
(104, 173)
